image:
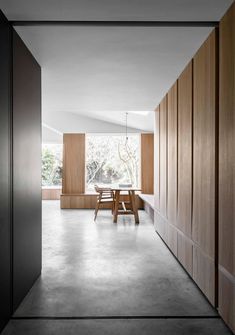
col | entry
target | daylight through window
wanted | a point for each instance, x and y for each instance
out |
(110, 159)
(52, 164)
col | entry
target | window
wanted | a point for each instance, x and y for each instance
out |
(52, 165)
(110, 159)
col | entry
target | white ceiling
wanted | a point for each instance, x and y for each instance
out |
(102, 72)
(164, 10)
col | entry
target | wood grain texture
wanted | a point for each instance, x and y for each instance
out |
(204, 145)
(185, 252)
(185, 151)
(172, 154)
(227, 167)
(51, 194)
(227, 143)
(73, 180)
(172, 239)
(88, 201)
(163, 157)
(161, 226)
(227, 298)
(147, 163)
(157, 159)
(204, 273)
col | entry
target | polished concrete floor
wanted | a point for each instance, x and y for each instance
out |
(115, 276)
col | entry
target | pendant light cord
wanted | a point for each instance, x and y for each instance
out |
(126, 127)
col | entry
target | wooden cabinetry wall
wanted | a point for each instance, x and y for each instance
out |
(186, 129)
(147, 164)
(198, 222)
(227, 169)
(73, 180)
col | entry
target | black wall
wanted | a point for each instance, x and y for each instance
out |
(20, 170)
(5, 171)
(26, 170)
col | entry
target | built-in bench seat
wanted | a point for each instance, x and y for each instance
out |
(148, 200)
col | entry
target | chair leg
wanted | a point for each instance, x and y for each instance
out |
(96, 209)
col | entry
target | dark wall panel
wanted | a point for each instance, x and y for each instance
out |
(5, 109)
(26, 170)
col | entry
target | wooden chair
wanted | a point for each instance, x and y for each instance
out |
(106, 195)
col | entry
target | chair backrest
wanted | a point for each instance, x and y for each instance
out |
(104, 191)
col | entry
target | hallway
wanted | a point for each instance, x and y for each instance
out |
(105, 278)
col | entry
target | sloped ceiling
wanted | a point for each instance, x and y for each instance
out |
(102, 72)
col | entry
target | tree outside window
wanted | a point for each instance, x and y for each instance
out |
(111, 159)
(51, 165)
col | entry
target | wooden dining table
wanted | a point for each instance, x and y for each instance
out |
(133, 210)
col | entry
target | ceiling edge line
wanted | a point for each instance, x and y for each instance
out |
(117, 23)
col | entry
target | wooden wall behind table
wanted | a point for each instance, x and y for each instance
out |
(147, 163)
(88, 201)
(185, 129)
(51, 193)
(227, 169)
(73, 181)
(156, 159)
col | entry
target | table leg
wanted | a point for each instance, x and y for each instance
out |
(115, 214)
(135, 209)
(130, 199)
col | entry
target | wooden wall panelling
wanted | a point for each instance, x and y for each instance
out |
(185, 252)
(185, 150)
(204, 160)
(161, 226)
(172, 155)
(227, 169)
(172, 239)
(163, 157)
(73, 164)
(204, 272)
(157, 159)
(227, 297)
(51, 193)
(204, 128)
(88, 201)
(147, 163)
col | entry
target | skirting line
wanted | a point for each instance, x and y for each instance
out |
(121, 317)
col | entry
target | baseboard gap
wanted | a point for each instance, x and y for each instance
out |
(114, 317)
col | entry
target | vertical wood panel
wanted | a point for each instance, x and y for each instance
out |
(185, 150)
(163, 156)
(157, 159)
(227, 298)
(172, 155)
(204, 160)
(227, 143)
(172, 239)
(73, 180)
(147, 166)
(185, 252)
(204, 128)
(227, 168)
(204, 273)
